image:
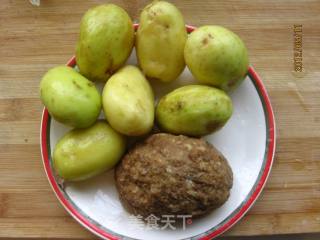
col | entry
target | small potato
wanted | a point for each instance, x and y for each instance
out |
(160, 41)
(194, 110)
(128, 102)
(105, 42)
(69, 97)
(83, 153)
(217, 57)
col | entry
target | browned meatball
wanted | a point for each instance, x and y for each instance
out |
(168, 174)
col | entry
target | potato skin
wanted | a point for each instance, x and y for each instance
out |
(128, 102)
(69, 97)
(193, 110)
(217, 57)
(105, 42)
(160, 41)
(83, 153)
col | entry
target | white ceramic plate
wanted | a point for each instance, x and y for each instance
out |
(247, 141)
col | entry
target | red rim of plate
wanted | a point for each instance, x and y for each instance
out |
(222, 227)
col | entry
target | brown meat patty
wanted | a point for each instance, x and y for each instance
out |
(168, 174)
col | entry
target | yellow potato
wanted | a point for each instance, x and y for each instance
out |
(128, 102)
(105, 42)
(69, 97)
(217, 57)
(194, 110)
(160, 41)
(83, 153)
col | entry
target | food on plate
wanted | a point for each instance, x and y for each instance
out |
(216, 56)
(69, 97)
(105, 42)
(83, 153)
(128, 102)
(171, 175)
(193, 110)
(160, 41)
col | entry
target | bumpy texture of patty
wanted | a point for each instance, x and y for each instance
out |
(168, 174)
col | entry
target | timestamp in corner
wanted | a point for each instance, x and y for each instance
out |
(298, 67)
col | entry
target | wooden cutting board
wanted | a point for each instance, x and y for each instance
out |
(34, 39)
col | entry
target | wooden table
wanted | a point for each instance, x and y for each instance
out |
(34, 39)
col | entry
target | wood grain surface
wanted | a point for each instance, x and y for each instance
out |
(34, 39)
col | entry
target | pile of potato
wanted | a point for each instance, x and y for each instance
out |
(216, 57)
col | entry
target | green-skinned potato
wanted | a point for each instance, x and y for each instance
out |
(160, 41)
(194, 110)
(128, 102)
(84, 153)
(217, 57)
(69, 97)
(105, 42)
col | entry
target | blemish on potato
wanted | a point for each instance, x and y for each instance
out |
(90, 84)
(125, 85)
(76, 84)
(179, 105)
(109, 72)
(152, 14)
(213, 125)
(232, 82)
(205, 41)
